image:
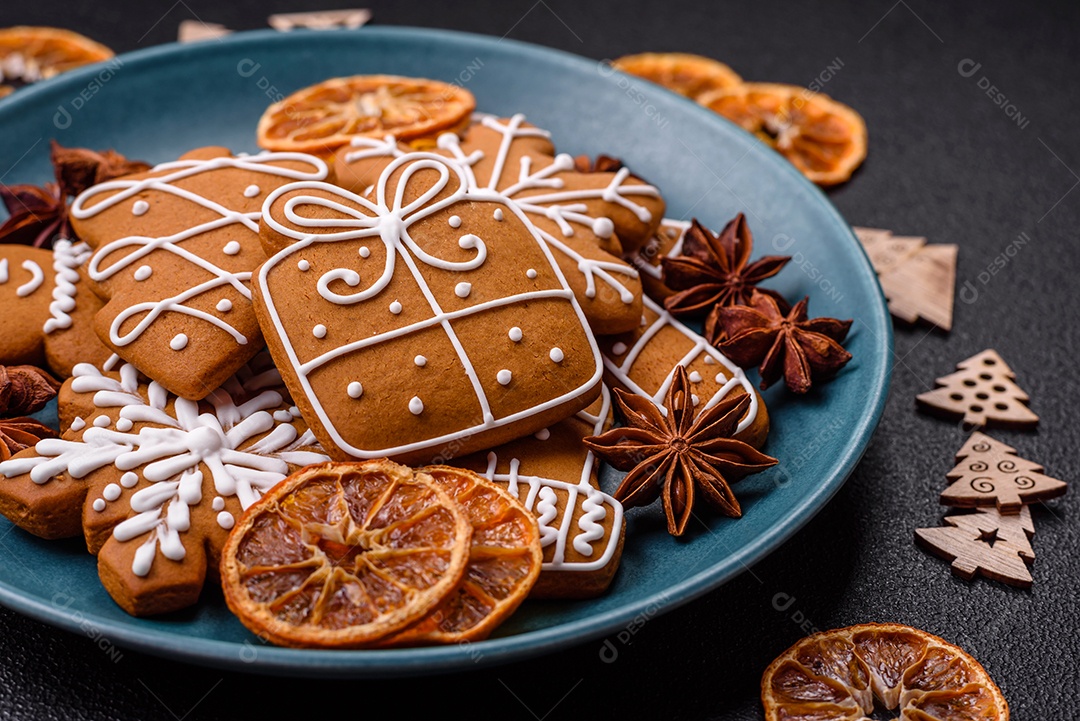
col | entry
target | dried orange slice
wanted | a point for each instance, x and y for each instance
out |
(323, 117)
(340, 555)
(824, 139)
(837, 675)
(30, 54)
(504, 562)
(686, 74)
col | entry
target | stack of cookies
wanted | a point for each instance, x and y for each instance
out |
(459, 296)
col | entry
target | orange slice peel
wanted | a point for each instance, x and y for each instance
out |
(323, 117)
(341, 555)
(838, 675)
(684, 73)
(29, 54)
(824, 139)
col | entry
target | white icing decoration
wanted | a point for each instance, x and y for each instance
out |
(303, 265)
(694, 399)
(251, 191)
(179, 342)
(455, 221)
(515, 334)
(530, 273)
(387, 219)
(124, 425)
(543, 434)
(695, 377)
(416, 406)
(143, 272)
(420, 361)
(395, 307)
(37, 277)
(355, 389)
(619, 348)
(621, 371)
(67, 257)
(462, 290)
(172, 449)
(139, 207)
(134, 249)
(708, 359)
(226, 520)
(319, 331)
(102, 421)
(498, 214)
(99, 504)
(504, 377)
(365, 252)
(224, 305)
(556, 355)
(218, 504)
(721, 378)
(564, 207)
(542, 495)
(231, 248)
(78, 424)
(111, 492)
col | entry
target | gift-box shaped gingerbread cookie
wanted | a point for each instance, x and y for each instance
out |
(426, 319)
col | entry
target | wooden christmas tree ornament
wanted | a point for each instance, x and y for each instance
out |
(885, 250)
(923, 286)
(982, 391)
(986, 542)
(989, 473)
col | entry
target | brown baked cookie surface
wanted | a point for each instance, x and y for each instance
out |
(26, 286)
(556, 477)
(427, 320)
(587, 218)
(174, 248)
(154, 482)
(643, 361)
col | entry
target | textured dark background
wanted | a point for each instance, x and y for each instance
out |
(946, 161)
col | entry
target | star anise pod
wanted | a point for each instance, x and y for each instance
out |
(79, 168)
(680, 454)
(785, 344)
(25, 389)
(716, 269)
(19, 433)
(37, 215)
(602, 164)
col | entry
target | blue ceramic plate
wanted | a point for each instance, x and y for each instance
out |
(156, 103)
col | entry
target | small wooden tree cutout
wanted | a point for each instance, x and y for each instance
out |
(981, 391)
(885, 250)
(985, 542)
(988, 472)
(923, 286)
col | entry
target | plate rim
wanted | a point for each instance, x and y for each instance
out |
(444, 659)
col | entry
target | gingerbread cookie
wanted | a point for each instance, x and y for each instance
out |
(644, 361)
(154, 481)
(25, 288)
(427, 320)
(69, 330)
(174, 248)
(555, 476)
(665, 242)
(587, 218)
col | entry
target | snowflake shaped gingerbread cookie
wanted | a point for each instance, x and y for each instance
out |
(174, 249)
(427, 320)
(587, 219)
(154, 481)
